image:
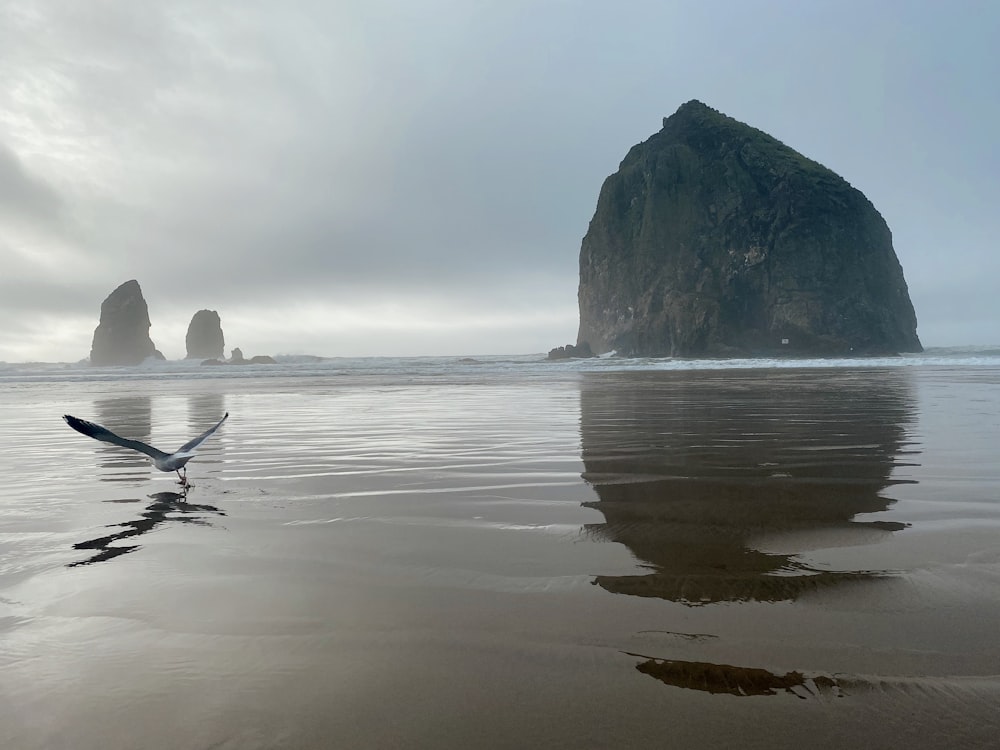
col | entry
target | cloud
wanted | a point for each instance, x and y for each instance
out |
(26, 197)
(384, 155)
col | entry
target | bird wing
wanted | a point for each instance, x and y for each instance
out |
(105, 435)
(192, 445)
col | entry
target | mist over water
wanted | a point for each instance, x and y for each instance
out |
(504, 552)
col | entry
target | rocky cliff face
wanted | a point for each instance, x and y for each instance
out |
(122, 336)
(715, 239)
(205, 339)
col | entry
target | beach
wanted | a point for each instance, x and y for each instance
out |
(485, 553)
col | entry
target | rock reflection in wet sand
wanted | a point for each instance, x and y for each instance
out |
(744, 681)
(131, 416)
(691, 468)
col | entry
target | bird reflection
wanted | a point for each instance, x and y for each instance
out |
(166, 506)
(693, 470)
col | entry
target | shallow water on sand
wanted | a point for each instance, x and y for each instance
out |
(577, 559)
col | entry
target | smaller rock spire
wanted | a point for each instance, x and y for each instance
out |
(205, 339)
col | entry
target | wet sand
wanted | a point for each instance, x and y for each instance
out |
(701, 559)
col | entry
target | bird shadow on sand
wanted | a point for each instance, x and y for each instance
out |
(166, 507)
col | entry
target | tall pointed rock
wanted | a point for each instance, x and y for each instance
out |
(122, 336)
(715, 239)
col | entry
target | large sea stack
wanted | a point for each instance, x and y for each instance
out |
(715, 239)
(205, 339)
(122, 336)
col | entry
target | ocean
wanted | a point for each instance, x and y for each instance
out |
(504, 552)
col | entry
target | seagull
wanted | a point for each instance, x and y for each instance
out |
(162, 461)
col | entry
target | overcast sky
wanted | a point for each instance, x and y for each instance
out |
(397, 177)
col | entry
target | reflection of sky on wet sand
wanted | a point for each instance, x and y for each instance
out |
(692, 469)
(412, 549)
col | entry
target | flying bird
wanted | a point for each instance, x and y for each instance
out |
(163, 461)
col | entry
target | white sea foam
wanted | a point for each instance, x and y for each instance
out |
(469, 368)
